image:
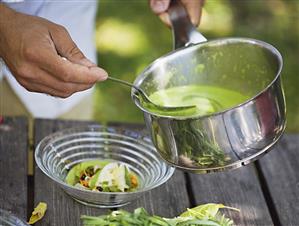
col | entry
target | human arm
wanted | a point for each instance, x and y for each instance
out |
(35, 50)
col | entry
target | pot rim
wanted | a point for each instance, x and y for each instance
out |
(259, 43)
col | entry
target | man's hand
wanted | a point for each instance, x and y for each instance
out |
(35, 50)
(193, 8)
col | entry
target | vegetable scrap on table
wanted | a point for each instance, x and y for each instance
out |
(203, 215)
(38, 213)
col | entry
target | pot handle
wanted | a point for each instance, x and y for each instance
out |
(183, 31)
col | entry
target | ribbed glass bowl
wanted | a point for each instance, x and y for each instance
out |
(8, 219)
(57, 153)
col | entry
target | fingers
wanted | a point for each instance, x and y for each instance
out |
(159, 6)
(46, 71)
(193, 8)
(48, 60)
(67, 48)
(164, 17)
(46, 83)
(77, 68)
(33, 87)
(65, 88)
(80, 71)
(67, 71)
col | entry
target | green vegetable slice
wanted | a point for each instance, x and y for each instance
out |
(93, 180)
(73, 175)
(127, 176)
(203, 215)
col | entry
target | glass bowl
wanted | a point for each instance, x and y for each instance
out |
(8, 219)
(57, 153)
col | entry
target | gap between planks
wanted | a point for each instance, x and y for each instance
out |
(267, 195)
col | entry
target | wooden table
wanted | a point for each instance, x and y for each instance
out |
(266, 192)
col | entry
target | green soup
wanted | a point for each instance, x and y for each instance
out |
(207, 99)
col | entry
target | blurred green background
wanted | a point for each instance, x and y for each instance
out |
(129, 36)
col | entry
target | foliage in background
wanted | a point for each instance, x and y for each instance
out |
(129, 37)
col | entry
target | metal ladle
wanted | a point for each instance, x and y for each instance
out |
(148, 101)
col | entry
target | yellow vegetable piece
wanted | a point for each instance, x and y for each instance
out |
(206, 211)
(134, 181)
(38, 213)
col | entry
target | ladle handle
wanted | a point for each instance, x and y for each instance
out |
(184, 32)
(126, 83)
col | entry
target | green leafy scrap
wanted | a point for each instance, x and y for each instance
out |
(203, 215)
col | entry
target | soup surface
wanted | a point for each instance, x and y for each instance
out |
(206, 99)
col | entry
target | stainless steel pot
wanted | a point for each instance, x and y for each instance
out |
(227, 139)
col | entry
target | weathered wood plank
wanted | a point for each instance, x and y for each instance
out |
(13, 165)
(168, 200)
(238, 188)
(280, 170)
(62, 209)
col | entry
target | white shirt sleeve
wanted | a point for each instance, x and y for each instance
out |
(11, 1)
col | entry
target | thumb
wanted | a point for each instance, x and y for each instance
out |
(67, 48)
(194, 9)
(159, 6)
